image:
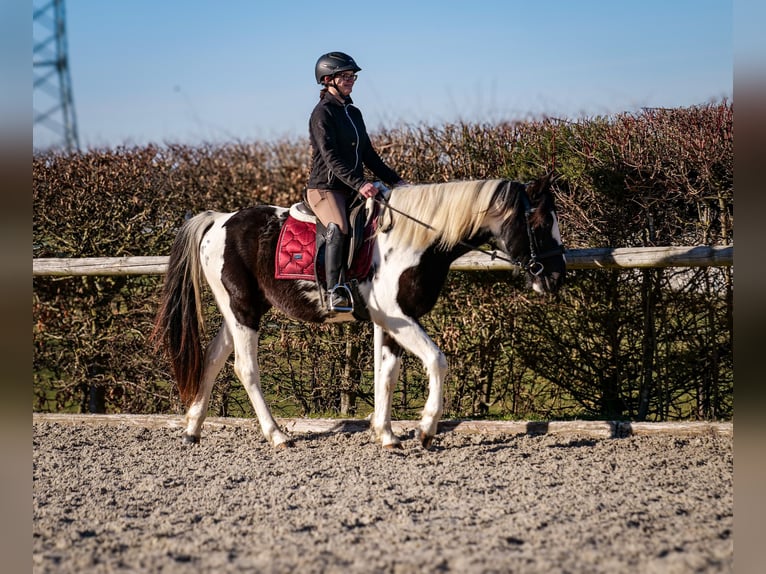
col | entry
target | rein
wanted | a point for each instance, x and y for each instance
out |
(533, 265)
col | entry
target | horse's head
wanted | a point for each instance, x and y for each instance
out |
(531, 234)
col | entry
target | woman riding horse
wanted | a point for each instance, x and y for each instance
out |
(341, 149)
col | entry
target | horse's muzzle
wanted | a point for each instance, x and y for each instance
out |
(547, 283)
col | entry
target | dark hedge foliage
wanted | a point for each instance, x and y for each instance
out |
(638, 344)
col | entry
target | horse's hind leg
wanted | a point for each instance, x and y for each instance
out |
(388, 359)
(216, 354)
(248, 371)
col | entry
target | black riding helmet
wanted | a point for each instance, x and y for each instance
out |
(333, 62)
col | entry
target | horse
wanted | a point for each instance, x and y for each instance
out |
(423, 229)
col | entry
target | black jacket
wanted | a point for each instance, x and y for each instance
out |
(341, 148)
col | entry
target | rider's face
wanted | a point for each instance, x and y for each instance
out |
(344, 82)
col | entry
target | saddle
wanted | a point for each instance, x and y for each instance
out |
(300, 247)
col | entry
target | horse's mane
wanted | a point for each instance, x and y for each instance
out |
(453, 210)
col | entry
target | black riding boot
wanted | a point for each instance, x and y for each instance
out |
(338, 294)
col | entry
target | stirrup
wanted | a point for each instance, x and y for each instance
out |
(339, 299)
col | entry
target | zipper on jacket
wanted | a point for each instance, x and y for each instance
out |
(353, 125)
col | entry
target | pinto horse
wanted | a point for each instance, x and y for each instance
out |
(423, 229)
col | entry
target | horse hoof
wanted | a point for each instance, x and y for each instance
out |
(393, 446)
(285, 445)
(426, 440)
(191, 439)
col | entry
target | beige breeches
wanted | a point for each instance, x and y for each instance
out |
(329, 206)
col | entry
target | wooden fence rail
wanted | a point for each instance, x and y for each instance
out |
(579, 428)
(596, 258)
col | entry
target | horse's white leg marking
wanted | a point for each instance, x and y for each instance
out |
(386, 373)
(435, 364)
(246, 368)
(216, 354)
(412, 338)
(242, 339)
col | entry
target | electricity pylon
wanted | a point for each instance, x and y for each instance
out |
(52, 87)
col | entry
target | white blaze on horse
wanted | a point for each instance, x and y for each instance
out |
(426, 228)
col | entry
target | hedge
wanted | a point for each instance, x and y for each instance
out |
(633, 344)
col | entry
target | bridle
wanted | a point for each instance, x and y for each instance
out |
(532, 265)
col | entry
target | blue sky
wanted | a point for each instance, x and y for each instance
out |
(202, 71)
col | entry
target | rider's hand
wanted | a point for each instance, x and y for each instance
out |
(368, 190)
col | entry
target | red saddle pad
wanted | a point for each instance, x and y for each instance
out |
(296, 249)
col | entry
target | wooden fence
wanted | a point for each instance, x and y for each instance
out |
(594, 429)
(595, 258)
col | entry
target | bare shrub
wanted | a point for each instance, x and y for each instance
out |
(646, 345)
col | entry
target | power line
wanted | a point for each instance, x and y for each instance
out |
(52, 87)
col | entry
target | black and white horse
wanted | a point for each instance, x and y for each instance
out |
(426, 228)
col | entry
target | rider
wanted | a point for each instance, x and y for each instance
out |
(341, 149)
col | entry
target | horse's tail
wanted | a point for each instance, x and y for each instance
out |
(179, 325)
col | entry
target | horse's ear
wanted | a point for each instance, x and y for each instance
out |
(542, 184)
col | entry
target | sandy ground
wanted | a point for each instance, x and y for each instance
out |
(121, 498)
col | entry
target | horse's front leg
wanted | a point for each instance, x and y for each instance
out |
(414, 339)
(247, 369)
(388, 359)
(432, 411)
(216, 354)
